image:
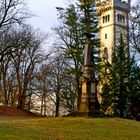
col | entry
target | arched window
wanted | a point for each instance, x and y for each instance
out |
(105, 53)
(108, 18)
(118, 18)
(105, 36)
(103, 19)
(121, 18)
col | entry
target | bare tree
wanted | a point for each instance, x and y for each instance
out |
(43, 75)
(27, 53)
(57, 81)
(12, 12)
(5, 71)
(135, 27)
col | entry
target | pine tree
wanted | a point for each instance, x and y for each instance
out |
(120, 77)
(89, 25)
(134, 87)
(70, 36)
(77, 20)
(105, 87)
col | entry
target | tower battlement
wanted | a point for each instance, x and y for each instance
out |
(123, 5)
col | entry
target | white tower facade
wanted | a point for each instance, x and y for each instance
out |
(113, 21)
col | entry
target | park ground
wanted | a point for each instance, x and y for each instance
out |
(37, 128)
(18, 124)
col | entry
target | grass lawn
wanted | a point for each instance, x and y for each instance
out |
(25, 128)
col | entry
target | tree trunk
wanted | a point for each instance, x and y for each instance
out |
(57, 104)
(121, 104)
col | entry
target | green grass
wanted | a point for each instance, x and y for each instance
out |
(21, 128)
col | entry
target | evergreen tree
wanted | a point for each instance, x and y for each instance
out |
(120, 78)
(134, 97)
(76, 21)
(105, 87)
(89, 25)
(70, 37)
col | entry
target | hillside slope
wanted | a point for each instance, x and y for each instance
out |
(32, 128)
(13, 111)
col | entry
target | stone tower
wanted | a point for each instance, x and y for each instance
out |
(113, 21)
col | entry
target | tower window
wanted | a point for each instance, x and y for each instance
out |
(118, 17)
(106, 18)
(121, 18)
(103, 19)
(105, 53)
(105, 36)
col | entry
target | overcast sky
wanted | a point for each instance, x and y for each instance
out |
(45, 13)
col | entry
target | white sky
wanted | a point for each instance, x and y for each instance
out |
(45, 13)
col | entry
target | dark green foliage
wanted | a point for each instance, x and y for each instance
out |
(125, 81)
(135, 89)
(105, 78)
(120, 77)
(70, 36)
(115, 80)
(89, 25)
(76, 20)
(120, 83)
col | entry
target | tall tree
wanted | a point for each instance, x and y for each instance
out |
(135, 28)
(20, 63)
(134, 39)
(71, 38)
(57, 81)
(28, 53)
(77, 20)
(134, 97)
(12, 12)
(105, 89)
(120, 77)
(43, 75)
(89, 25)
